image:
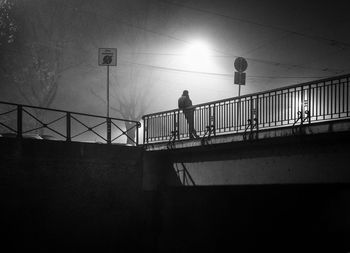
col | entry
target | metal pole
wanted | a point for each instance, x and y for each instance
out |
(239, 107)
(108, 119)
(108, 91)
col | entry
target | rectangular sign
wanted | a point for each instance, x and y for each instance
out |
(107, 57)
(240, 78)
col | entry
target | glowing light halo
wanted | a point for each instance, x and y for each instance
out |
(197, 55)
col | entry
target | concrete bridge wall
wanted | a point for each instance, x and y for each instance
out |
(295, 159)
(72, 197)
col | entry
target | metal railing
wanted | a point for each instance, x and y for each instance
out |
(307, 103)
(43, 123)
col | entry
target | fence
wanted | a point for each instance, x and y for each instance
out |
(43, 123)
(322, 100)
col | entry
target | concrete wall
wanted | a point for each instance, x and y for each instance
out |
(72, 197)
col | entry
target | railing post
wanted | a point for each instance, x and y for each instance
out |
(214, 120)
(19, 121)
(177, 123)
(257, 113)
(309, 104)
(252, 112)
(302, 106)
(109, 135)
(138, 125)
(68, 127)
(145, 123)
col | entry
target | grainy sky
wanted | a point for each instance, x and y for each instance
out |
(284, 42)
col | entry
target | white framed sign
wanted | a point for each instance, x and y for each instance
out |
(107, 57)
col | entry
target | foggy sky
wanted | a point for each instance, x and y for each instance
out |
(284, 42)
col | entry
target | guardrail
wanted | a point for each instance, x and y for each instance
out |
(321, 100)
(44, 123)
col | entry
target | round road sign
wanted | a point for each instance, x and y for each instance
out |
(241, 64)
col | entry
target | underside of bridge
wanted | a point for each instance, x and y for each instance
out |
(306, 154)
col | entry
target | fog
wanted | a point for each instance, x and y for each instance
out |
(284, 43)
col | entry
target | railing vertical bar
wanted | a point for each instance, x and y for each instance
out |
(269, 110)
(264, 110)
(279, 111)
(19, 121)
(151, 127)
(288, 108)
(348, 96)
(332, 100)
(339, 98)
(226, 116)
(257, 112)
(328, 100)
(162, 126)
(68, 126)
(344, 97)
(324, 101)
(144, 131)
(317, 103)
(109, 130)
(177, 123)
(137, 134)
(273, 108)
(309, 103)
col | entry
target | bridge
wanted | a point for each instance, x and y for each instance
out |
(320, 102)
(295, 134)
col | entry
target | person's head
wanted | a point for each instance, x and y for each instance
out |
(185, 93)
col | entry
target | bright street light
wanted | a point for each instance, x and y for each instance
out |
(197, 55)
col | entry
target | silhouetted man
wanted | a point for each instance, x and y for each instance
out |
(185, 104)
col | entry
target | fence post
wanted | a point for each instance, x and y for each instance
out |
(68, 127)
(212, 119)
(302, 106)
(145, 131)
(257, 113)
(109, 136)
(19, 121)
(309, 103)
(177, 123)
(138, 125)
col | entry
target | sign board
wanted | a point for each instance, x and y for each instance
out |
(107, 56)
(240, 78)
(241, 64)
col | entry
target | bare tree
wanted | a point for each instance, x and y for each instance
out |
(46, 46)
(8, 26)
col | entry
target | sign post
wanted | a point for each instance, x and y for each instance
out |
(240, 77)
(107, 57)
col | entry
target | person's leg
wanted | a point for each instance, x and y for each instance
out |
(191, 124)
(187, 117)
